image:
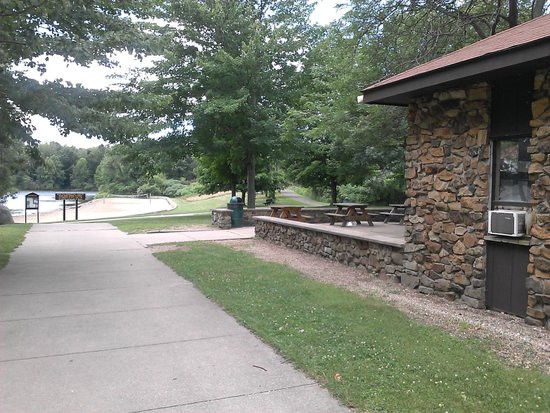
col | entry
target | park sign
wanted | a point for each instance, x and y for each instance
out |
(70, 196)
(31, 202)
(66, 196)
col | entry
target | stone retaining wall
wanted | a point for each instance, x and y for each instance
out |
(447, 173)
(378, 259)
(221, 218)
(538, 284)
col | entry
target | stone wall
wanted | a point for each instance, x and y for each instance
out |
(447, 171)
(221, 218)
(378, 259)
(538, 284)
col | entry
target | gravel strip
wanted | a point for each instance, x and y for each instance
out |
(508, 336)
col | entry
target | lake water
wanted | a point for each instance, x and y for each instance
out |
(46, 199)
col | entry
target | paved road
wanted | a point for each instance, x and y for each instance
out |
(305, 201)
(90, 321)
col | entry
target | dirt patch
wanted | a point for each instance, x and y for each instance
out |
(168, 247)
(508, 336)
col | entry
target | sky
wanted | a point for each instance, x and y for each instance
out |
(99, 77)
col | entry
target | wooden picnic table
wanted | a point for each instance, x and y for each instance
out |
(288, 212)
(397, 210)
(350, 211)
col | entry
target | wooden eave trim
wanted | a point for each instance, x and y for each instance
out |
(399, 93)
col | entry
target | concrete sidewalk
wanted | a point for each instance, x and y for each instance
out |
(186, 236)
(91, 322)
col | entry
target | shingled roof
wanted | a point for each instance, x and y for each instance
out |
(525, 44)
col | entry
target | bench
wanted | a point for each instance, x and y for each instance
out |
(347, 218)
(389, 215)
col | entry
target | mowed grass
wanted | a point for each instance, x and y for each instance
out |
(368, 354)
(144, 224)
(185, 206)
(11, 236)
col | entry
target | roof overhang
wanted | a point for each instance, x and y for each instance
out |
(528, 57)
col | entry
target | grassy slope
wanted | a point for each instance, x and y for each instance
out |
(138, 225)
(11, 236)
(187, 207)
(385, 361)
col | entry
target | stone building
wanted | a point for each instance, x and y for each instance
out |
(479, 140)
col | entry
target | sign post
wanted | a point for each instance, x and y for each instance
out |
(70, 196)
(31, 202)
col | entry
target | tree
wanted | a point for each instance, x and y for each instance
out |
(80, 176)
(51, 174)
(334, 140)
(230, 73)
(402, 34)
(82, 31)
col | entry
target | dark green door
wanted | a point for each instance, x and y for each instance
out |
(506, 276)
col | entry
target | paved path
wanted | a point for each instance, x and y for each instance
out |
(90, 321)
(186, 236)
(305, 201)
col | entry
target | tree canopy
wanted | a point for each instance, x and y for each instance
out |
(250, 90)
(82, 32)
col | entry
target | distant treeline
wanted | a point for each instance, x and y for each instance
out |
(116, 170)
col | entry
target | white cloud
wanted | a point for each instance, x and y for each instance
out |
(46, 132)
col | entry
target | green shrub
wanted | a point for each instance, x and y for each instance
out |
(381, 188)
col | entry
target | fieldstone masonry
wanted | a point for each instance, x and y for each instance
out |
(221, 218)
(447, 171)
(538, 284)
(378, 259)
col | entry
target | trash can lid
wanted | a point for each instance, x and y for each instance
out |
(235, 200)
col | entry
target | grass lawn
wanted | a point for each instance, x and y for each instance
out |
(368, 354)
(188, 207)
(139, 225)
(11, 236)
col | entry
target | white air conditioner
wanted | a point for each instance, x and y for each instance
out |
(507, 223)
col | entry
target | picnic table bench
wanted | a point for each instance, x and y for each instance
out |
(397, 211)
(349, 212)
(288, 212)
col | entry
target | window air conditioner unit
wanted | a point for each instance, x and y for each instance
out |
(507, 223)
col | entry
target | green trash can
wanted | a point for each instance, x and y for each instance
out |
(236, 205)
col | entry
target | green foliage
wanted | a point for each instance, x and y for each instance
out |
(53, 166)
(11, 236)
(113, 175)
(80, 177)
(231, 67)
(81, 31)
(368, 354)
(334, 141)
(378, 189)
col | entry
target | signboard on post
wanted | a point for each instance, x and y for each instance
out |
(76, 196)
(70, 196)
(31, 202)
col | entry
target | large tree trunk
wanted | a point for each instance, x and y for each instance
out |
(251, 179)
(233, 189)
(513, 12)
(333, 192)
(538, 8)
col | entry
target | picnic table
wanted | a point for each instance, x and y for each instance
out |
(288, 212)
(397, 211)
(350, 211)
